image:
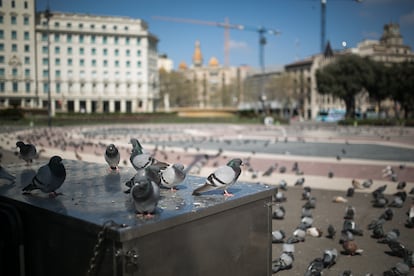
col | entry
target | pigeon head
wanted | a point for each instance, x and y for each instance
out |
(19, 144)
(136, 146)
(111, 150)
(56, 166)
(235, 163)
(142, 188)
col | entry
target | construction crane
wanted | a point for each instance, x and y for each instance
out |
(323, 23)
(262, 31)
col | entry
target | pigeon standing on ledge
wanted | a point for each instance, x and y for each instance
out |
(48, 178)
(145, 194)
(222, 178)
(112, 157)
(27, 152)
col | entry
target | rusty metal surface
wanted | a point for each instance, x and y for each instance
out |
(94, 195)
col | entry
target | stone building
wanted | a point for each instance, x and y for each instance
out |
(389, 49)
(89, 63)
(217, 86)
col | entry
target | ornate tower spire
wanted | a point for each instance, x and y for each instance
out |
(197, 56)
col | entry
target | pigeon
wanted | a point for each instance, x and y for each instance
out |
(329, 257)
(398, 200)
(391, 236)
(300, 181)
(282, 169)
(145, 194)
(4, 174)
(400, 269)
(282, 185)
(140, 159)
(48, 178)
(351, 248)
(378, 231)
(112, 157)
(279, 196)
(284, 262)
(27, 152)
(349, 225)
(306, 193)
(315, 267)
(411, 191)
(222, 177)
(356, 184)
(331, 232)
(350, 192)
(314, 232)
(269, 171)
(410, 218)
(310, 204)
(380, 201)
(398, 249)
(349, 212)
(388, 214)
(305, 223)
(339, 199)
(401, 185)
(170, 176)
(279, 212)
(367, 183)
(278, 236)
(379, 191)
(330, 174)
(306, 213)
(297, 236)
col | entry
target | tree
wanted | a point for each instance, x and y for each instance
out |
(344, 78)
(179, 90)
(378, 84)
(402, 86)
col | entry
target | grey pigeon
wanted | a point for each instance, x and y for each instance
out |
(169, 176)
(278, 236)
(145, 194)
(279, 212)
(269, 171)
(140, 159)
(48, 178)
(283, 185)
(410, 218)
(378, 192)
(112, 157)
(329, 257)
(391, 236)
(380, 201)
(401, 185)
(398, 200)
(350, 192)
(315, 267)
(398, 249)
(367, 183)
(222, 178)
(349, 212)
(4, 174)
(306, 193)
(331, 232)
(306, 213)
(388, 214)
(310, 204)
(400, 269)
(279, 196)
(297, 236)
(284, 262)
(27, 152)
(300, 181)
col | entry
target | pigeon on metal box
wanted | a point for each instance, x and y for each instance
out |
(27, 152)
(140, 159)
(145, 194)
(222, 178)
(170, 176)
(48, 178)
(112, 157)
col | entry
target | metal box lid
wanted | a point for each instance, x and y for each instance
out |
(92, 196)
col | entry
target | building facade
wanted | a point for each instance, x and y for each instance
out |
(216, 86)
(88, 63)
(389, 49)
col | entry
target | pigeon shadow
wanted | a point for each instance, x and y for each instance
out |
(26, 177)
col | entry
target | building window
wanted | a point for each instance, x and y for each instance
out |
(1, 59)
(70, 62)
(57, 87)
(44, 37)
(127, 53)
(116, 63)
(69, 50)
(14, 35)
(116, 40)
(26, 60)
(105, 40)
(57, 50)
(138, 40)
(116, 52)
(26, 5)
(92, 26)
(94, 62)
(2, 86)
(69, 38)
(105, 63)
(69, 25)
(105, 52)
(139, 53)
(127, 40)
(26, 36)
(103, 27)
(1, 19)
(15, 86)
(81, 38)
(128, 64)
(115, 27)
(27, 87)
(13, 4)
(1, 72)
(26, 20)
(27, 48)
(93, 51)
(80, 25)
(14, 72)
(13, 20)
(57, 74)
(27, 73)
(45, 87)
(45, 73)
(1, 34)
(57, 37)
(82, 62)
(57, 24)
(44, 49)
(57, 61)
(81, 51)
(93, 39)
(139, 64)
(14, 47)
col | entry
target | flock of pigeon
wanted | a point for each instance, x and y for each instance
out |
(347, 233)
(144, 187)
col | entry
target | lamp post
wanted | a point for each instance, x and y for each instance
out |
(48, 15)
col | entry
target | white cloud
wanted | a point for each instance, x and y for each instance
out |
(237, 44)
(407, 19)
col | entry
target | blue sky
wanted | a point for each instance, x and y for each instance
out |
(299, 22)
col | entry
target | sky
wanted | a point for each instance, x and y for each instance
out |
(297, 21)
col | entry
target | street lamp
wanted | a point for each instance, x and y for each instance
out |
(48, 15)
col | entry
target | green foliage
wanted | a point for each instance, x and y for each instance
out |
(11, 114)
(402, 86)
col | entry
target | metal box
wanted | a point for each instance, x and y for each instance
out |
(189, 235)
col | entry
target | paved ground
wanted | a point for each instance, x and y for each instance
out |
(347, 152)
